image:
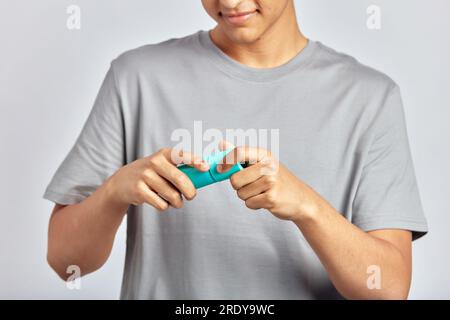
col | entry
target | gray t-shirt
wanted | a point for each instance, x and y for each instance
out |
(341, 130)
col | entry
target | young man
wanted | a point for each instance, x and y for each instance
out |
(337, 217)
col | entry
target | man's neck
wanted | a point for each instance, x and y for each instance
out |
(278, 45)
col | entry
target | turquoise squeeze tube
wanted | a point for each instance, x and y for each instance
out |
(204, 178)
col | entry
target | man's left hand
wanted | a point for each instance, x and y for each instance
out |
(268, 184)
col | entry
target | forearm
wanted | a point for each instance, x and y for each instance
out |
(346, 253)
(83, 234)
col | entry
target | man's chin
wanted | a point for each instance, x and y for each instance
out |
(245, 35)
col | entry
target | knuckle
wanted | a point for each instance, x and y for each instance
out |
(146, 174)
(179, 179)
(176, 155)
(154, 161)
(269, 180)
(266, 158)
(234, 182)
(175, 197)
(270, 198)
(139, 188)
(140, 195)
(274, 166)
(269, 170)
(163, 150)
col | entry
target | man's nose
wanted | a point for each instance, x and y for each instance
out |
(230, 4)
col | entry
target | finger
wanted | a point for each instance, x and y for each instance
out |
(151, 198)
(177, 177)
(256, 202)
(164, 189)
(253, 189)
(177, 156)
(225, 145)
(242, 154)
(247, 176)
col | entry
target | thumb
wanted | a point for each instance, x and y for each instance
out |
(225, 145)
(246, 154)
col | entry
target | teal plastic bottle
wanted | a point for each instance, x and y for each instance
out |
(204, 178)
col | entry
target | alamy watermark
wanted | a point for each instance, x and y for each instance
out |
(374, 17)
(74, 17)
(73, 282)
(374, 279)
(204, 142)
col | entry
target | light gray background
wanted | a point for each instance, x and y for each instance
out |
(49, 77)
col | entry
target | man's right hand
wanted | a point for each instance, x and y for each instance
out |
(82, 234)
(156, 180)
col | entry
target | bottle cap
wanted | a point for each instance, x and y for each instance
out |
(204, 178)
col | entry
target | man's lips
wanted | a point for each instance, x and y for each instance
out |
(238, 18)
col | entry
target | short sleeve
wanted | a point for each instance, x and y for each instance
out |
(387, 196)
(98, 151)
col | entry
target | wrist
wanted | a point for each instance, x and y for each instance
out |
(111, 196)
(308, 210)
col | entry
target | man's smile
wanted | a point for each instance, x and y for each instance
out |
(238, 18)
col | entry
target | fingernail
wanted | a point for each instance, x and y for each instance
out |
(219, 168)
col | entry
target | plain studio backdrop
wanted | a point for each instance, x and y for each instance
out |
(50, 75)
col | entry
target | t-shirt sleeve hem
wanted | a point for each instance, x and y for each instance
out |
(417, 227)
(63, 198)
